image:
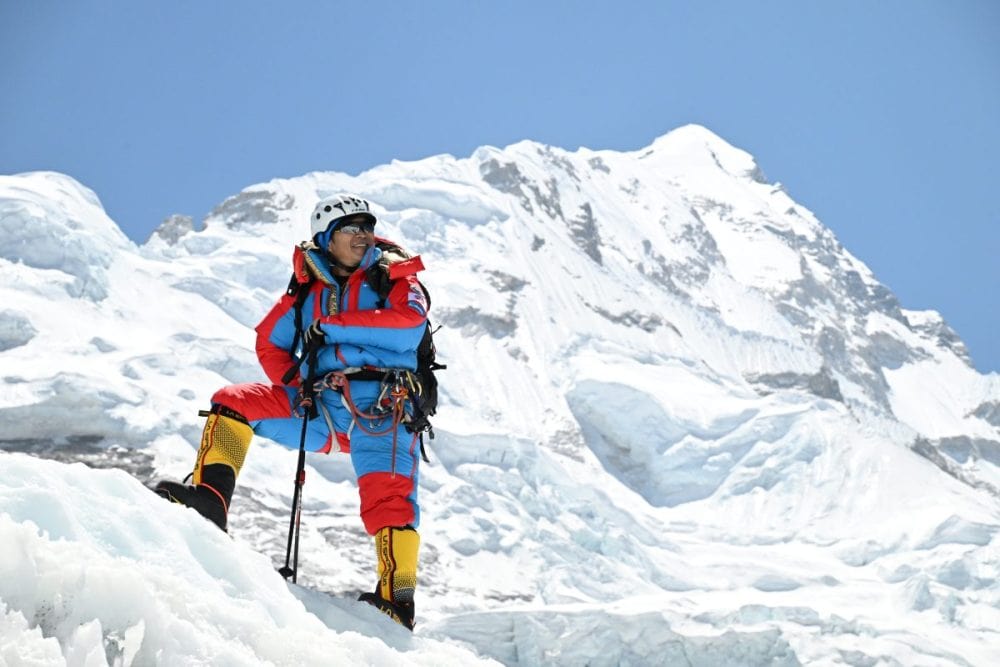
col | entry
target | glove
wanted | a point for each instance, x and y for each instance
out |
(304, 404)
(314, 336)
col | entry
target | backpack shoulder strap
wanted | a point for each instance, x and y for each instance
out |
(300, 291)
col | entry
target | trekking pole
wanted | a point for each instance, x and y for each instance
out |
(294, 521)
(292, 550)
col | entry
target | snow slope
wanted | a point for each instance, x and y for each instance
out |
(680, 423)
(111, 573)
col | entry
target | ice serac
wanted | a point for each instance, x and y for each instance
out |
(679, 417)
(50, 221)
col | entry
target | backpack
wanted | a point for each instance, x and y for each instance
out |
(424, 400)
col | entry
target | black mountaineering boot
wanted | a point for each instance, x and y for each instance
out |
(400, 612)
(204, 498)
(396, 551)
(224, 444)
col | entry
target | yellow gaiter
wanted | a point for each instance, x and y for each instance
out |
(397, 550)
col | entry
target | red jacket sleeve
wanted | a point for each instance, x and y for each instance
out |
(274, 359)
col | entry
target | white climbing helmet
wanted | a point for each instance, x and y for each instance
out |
(332, 209)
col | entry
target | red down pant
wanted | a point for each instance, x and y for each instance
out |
(385, 459)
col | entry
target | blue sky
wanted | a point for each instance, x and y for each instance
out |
(882, 117)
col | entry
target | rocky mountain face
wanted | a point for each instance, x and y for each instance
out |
(681, 250)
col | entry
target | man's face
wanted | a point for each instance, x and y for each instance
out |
(351, 240)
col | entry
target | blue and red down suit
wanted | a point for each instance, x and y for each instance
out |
(359, 335)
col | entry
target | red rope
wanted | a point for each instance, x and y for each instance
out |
(399, 394)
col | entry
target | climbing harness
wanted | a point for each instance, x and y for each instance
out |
(396, 388)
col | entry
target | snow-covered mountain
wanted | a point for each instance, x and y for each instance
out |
(680, 422)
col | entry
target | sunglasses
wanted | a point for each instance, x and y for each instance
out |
(355, 228)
